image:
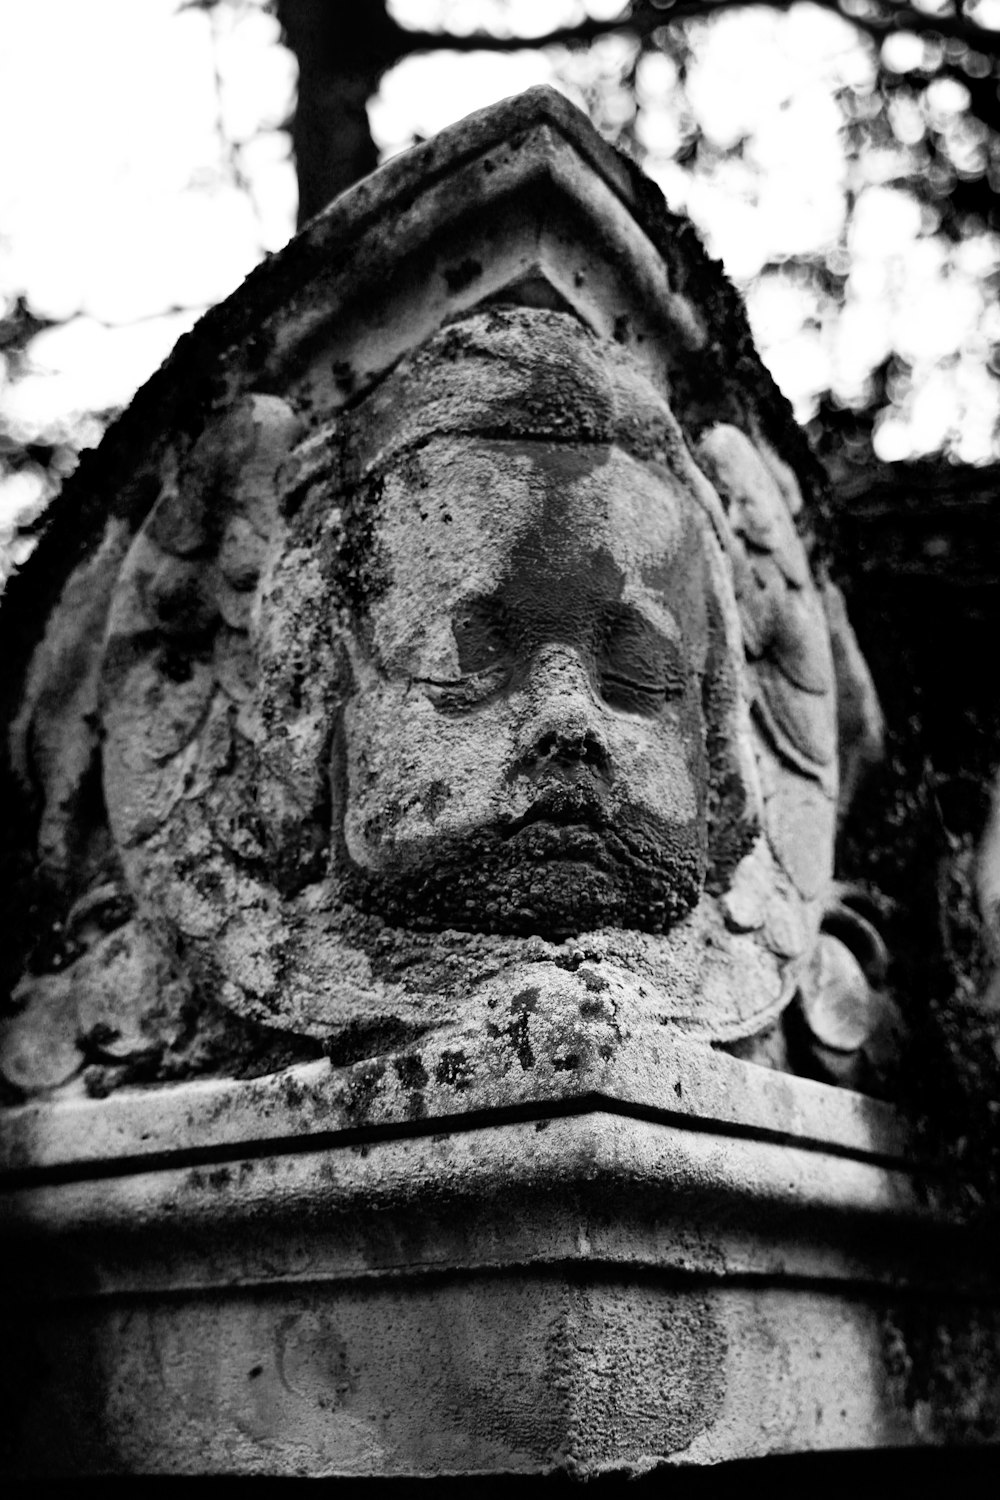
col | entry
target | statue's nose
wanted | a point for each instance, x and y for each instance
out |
(564, 736)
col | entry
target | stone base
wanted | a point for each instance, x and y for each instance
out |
(262, 1277)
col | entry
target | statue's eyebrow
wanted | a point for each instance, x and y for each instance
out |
(644, 602)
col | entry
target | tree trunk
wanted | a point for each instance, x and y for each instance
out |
(342, 52)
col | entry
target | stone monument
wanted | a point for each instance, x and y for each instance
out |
(430, 717)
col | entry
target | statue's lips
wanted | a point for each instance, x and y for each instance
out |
(568, 822)
(542, 841)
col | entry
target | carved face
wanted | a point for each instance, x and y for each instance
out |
(525, 746)
(394, 705)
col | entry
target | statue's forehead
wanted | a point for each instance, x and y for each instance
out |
(514, 372)
(476, 500)
(568, 529)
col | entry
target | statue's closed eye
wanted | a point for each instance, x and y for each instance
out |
(480, 637)
(635, 667)
(485, 660)
(638, 667)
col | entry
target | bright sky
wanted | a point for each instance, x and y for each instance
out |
(119, 211)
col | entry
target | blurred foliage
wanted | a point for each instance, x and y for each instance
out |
(31, 468)
(118, 231)
(920, 128)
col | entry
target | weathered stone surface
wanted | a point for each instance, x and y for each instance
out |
(430, 723)
(667, 1255)
(495, 637)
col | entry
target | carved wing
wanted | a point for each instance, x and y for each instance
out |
(790, 679)
(218, 681)
(785, 631)
(151, 649)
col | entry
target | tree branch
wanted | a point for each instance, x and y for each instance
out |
(641, 20)
(343, 52)
(486, 41)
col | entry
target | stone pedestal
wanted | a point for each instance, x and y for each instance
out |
(669, 1256)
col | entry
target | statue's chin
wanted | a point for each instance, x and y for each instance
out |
(552, 879)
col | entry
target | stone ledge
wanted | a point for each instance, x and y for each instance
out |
(594, 1188)
(449, 1081)
(629, 1292)
(258, 1277)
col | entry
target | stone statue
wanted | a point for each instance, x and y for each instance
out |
(497, 665)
